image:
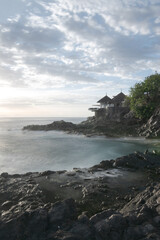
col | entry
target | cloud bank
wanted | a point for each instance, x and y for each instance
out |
(77, 49)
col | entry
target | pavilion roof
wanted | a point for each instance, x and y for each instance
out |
(105, 99)
(119, 98)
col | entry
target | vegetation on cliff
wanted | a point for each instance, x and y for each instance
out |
(144, 97)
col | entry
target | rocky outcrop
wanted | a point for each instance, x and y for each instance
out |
(57, 125)
(103, 202)
(139, 219)
(152, 128)
(136, 160)
(92, 126)
(127, 125)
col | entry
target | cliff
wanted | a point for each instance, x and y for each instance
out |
(152, 128)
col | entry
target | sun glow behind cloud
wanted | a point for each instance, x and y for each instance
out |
(59, 57)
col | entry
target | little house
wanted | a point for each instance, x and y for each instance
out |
(113, 108)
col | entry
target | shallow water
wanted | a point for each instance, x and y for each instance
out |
(25, 151)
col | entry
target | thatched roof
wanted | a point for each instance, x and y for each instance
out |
(105, 99)
(116, 99)
(119, 98)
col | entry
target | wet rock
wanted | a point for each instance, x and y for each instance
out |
(6, 205)
(116, 221)
(28, 211)
(62, 211)
(83, 230)
(83, 218)
(138, 161)
(63, 235)
(135, 161)
(157, 219)
(99, 216)
(104, 165)
(102, 229)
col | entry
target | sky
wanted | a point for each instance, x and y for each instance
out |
(59, 57)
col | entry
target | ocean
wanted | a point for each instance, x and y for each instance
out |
(32, 151)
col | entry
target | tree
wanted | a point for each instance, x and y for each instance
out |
(145, 97)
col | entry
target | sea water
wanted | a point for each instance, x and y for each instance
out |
(32, 151)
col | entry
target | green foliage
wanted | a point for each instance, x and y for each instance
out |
(145, 97)
(127, 101)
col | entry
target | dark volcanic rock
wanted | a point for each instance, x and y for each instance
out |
(57, 125)
(137, 220)
(90, 127)
(29, 208)
(62, 211)
(136, 160)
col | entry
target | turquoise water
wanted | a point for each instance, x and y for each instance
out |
(26, 151)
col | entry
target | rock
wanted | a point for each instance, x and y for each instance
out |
(104, 165)
(83, 218)
(102, 229)
(47, 173)
(156, 219)
(91, 127)
(83, 230)
(148, 228)
(63, 235)
(99, 216)
(152, 128)
(133, 233)
(6, 205)
(116, 124)
(116, 222)
(28, 211)
(138, 161)
(5, 175)
(62, 211)
(57, 125)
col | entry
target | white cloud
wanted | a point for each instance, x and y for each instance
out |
(79, 44)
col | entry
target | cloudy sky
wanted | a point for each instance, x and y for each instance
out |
(58, 57)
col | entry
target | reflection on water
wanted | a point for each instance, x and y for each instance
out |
(23, 151)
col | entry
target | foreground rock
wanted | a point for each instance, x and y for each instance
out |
(117, 199)
(136, 160)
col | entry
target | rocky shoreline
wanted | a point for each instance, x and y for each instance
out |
(116, 199)
(128, 126)
(89, 128)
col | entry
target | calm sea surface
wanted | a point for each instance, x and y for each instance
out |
(25, 151)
